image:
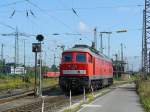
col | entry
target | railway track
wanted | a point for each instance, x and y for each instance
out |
(51, 104)
(22, 95)
(13, 97)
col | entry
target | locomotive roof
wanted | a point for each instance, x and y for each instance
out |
(86, 48)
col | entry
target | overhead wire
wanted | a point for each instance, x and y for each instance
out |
(27, 14)
(12, 3)
(13, 13)
(55, 18)
(30, 11)
(33, 4)
(64, 5)
(93, 8)
(99, 7)
(76, 13)
(8, 26)
(89, 8)
(73, 9)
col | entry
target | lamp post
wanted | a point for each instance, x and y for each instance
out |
(121, 31)
(101, 43)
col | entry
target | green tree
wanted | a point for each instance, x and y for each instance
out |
(54, 68)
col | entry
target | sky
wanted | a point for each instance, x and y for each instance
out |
(56, 16)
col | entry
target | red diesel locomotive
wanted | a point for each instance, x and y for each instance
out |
(83, 66)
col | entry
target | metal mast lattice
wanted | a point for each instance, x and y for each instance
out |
(146, 40)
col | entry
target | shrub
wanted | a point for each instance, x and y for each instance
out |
(143, 89)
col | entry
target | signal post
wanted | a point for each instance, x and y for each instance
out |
(37, 48)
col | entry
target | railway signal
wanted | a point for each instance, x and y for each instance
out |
(37, 48)
(40, 38)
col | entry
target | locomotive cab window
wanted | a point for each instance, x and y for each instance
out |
(80, 58)
(67, 57)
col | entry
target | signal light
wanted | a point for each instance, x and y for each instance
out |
(36, 47)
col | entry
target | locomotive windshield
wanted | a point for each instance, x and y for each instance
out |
(80, 58)
(67, 57)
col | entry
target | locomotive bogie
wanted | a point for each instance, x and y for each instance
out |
(75, 84)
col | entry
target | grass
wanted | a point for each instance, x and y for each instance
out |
(14, 82)
(74, 109)
(11, 83)
(143, 89)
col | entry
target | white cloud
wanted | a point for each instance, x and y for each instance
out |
(82, 27)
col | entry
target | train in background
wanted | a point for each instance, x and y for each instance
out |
(51, 74)
(84, 67)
